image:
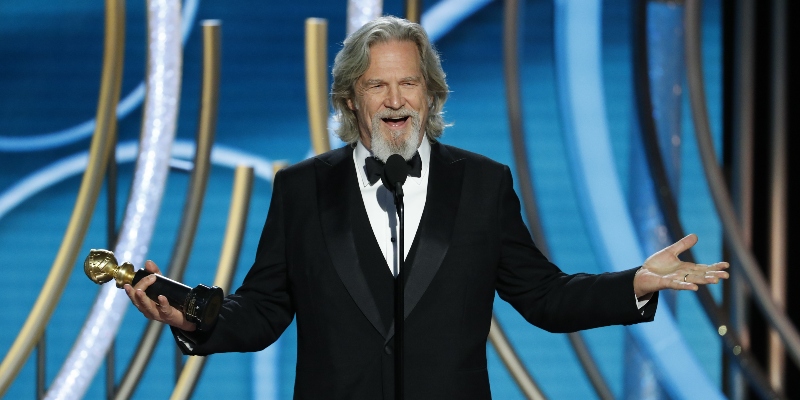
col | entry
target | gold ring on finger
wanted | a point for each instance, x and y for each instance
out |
(684, 277)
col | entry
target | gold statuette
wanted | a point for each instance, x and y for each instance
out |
(101, 266)
(200, 305)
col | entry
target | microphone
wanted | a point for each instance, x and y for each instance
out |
(395, 174)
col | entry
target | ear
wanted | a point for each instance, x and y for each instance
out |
(350, 105)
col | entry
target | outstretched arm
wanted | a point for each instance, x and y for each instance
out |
(664, 270)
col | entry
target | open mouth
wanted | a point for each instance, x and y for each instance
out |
(395, 122)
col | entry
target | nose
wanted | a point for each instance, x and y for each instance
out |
(394, 99)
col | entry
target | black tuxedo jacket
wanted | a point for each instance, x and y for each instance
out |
(318, 260)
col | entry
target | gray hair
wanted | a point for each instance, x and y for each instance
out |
(353, 60)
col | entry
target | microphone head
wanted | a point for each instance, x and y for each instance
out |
(395, 171)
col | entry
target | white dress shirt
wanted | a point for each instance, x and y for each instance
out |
(379, 203)
(382, 213)
(381, 210)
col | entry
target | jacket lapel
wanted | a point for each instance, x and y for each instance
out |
(336, 189)
(436, 227)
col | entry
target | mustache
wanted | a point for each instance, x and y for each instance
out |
(401, 113)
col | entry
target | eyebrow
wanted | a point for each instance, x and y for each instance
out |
(369, 82)
(411, 79)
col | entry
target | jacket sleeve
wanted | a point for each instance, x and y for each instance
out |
(547, 297)
(260, 310)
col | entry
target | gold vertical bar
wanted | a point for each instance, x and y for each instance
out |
(206, 131)
(742, 171)
(413, 10)
(234, 231)
(512, 362)
(194, 201)
(103, 141)
(748, 265)
(511, 76)
(231, 247)
(317, 82)
(778, 193)
(278, 165)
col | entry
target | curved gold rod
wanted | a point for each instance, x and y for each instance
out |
(732, 339)
(194, 201)
(237, 217)
(779, 182)
(413, 10)
(748, 265)
(514, 100)
(317, 83)
(512, 362)
(102, 142)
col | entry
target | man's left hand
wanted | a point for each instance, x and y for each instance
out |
(664, 270)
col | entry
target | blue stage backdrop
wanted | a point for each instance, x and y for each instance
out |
(50, 59)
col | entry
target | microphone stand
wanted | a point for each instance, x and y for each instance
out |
(399, 294)
(395, 172)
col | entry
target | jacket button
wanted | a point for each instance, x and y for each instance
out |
(388, 350)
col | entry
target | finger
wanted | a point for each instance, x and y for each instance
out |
(135, 299)
(679, 284)
(705, 277)
(128, 290)
(720, 266)
(171, 315)
(686, 277)
(703, 268)
(146, 306)
(682, 245)
(715, 276)
(131, 292)
(164, 308)
(145, 282)
(152, 267)
(140, 300)
(162, 303)
(698, 269)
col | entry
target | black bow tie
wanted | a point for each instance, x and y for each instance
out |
(375, 168)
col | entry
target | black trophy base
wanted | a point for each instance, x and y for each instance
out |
(199, 305)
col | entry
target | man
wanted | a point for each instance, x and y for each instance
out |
(328, 249)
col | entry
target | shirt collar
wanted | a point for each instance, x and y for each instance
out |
(361, 153)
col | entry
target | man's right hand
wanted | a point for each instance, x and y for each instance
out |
(160, 311)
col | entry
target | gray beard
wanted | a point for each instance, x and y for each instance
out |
(383, 148)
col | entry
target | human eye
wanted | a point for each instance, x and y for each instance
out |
(373, 85)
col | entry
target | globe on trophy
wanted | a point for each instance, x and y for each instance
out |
(200, 304)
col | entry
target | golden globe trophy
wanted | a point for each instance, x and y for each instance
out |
(200, 305)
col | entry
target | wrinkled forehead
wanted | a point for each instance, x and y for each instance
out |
(393, 56)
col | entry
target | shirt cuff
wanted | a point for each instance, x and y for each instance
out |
(640, 303)
(185, 341)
